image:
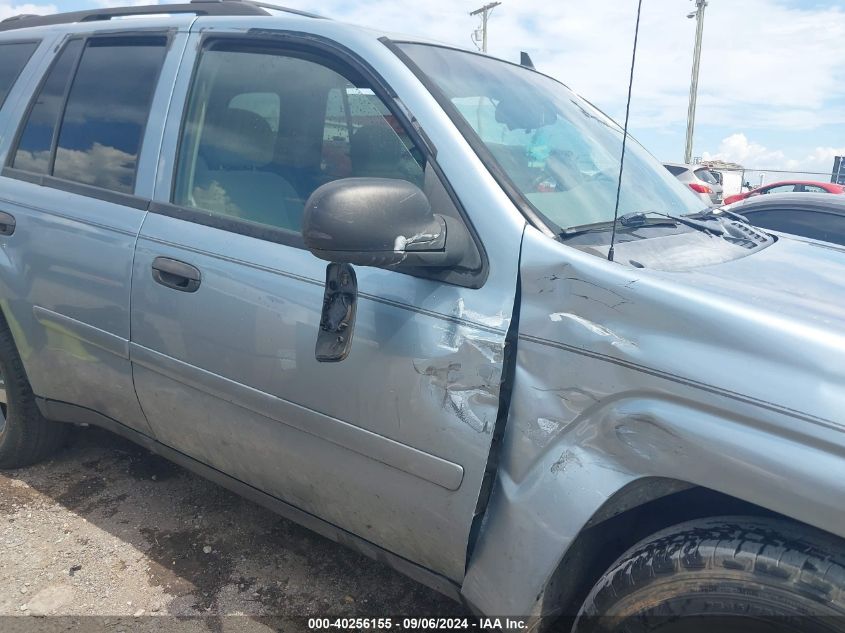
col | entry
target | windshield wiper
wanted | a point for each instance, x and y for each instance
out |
(696, 224)
(639, 219)
(629, 221)
(717, 213)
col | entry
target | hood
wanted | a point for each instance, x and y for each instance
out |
(795, 279)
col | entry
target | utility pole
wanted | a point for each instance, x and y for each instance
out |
(484, 12)
(698, 14)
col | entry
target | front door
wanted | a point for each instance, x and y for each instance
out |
(391, 444)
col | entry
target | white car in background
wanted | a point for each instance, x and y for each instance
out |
(699, 179)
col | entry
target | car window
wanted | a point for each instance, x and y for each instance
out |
(102, 130)
(779, 189)
(828, 227)
(555, 153)
(15, 55)
(250, 156)
(706, 176)
(815, 189)
(675, 170)
(105, 113)
(35, 142)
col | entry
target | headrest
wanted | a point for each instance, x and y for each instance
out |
(374, 149)
(237, 139)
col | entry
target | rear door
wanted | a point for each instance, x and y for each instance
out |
(77, 181)
(390, 444)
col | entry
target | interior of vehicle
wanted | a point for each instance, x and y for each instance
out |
(258, 143)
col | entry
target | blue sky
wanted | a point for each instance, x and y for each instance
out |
(772, 90)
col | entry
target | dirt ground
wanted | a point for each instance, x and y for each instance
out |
(108, 530)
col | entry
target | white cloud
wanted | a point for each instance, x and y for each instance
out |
(768, 65)
(762, 59)
(737, 148)
(100, 166)
(8, 10)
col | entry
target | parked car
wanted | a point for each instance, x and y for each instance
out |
(813, 215)
(700, 180)
(475, 389)
(788, 186)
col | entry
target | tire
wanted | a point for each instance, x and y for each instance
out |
(26, 437)
(723, 574)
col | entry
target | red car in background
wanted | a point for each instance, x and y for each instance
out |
(788, 186)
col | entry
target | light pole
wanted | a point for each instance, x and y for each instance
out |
(698, 14)
(484, 12)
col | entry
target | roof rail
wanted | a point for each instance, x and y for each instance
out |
(195, 7)
(273, 7)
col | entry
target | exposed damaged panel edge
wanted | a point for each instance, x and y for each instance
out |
(505, 392)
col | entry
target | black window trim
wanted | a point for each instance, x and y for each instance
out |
(72, 186)
(335, 56)
(8, 42)
(57, 128)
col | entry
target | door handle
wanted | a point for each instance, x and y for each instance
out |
(176, 275)
(7, 223)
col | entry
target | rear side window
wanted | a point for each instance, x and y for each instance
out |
(14, 57)
(675, 170)
(95, 138)
(33, 153)
(706, 176)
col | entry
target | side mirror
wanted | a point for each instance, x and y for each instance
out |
(380, 222)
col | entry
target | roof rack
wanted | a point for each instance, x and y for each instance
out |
(195, 7)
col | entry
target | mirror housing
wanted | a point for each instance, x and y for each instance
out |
(381, 222)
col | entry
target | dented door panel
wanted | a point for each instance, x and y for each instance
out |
(390, 443)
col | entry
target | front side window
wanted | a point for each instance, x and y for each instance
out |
(256, 144)
(560, 152)
(15, 55)
(103, 113)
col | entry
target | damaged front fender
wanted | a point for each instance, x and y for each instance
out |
(621, 378)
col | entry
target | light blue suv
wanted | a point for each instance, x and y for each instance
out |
(476, 388)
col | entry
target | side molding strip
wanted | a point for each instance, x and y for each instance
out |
(95, 336)
(410, 460)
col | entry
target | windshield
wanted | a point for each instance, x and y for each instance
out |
(560, 152)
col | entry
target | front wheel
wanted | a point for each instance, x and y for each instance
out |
(727, 574)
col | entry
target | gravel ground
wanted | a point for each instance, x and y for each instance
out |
(107, 529)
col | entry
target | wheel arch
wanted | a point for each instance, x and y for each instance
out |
(636, 511)
(628, 454)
